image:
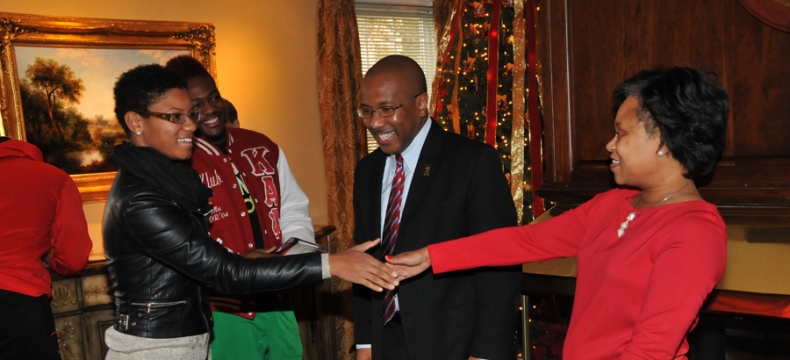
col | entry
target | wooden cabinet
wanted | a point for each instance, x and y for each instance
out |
(588, 47)
(83, 308)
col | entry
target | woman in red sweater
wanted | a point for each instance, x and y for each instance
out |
(648, 252)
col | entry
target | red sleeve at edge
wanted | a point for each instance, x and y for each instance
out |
(70, 233)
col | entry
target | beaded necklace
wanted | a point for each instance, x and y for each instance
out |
(632, 215)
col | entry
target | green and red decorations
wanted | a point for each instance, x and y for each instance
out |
(487, 75)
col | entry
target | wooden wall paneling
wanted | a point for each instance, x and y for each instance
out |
(589, 47)
(555, 97)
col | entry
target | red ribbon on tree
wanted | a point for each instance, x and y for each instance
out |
(535, 131)
(493, 76)
(455, 23)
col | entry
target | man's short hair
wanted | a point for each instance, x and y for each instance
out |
(187, 66)
(406, 67)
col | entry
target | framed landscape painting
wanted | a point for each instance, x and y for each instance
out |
(57, 78)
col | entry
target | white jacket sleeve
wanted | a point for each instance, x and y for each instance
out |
(294, 206)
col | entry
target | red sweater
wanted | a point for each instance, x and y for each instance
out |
(637, 296)
(41, 207)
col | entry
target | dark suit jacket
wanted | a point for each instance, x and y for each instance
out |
(458, 189)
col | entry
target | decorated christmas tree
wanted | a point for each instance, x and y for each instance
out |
(483, 91)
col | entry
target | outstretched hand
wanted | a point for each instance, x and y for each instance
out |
(356, 266)
(410, 263)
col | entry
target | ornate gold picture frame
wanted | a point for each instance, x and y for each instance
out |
(61, 70)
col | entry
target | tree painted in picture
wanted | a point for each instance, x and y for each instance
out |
(67, 139)
(57, 82)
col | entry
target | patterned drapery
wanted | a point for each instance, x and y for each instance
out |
(339, 78)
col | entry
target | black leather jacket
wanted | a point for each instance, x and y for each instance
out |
(159, 257)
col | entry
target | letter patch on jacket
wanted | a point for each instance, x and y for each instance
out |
(271, 191)
(274, 216)
(211, 180)
(256, 156)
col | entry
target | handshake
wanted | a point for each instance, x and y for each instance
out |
(358, 267)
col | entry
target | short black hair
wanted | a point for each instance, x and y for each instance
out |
(140, 87)
(4, 139)
(187, 66)
(405, 66)
(688, 106)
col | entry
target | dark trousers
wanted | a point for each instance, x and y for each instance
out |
(394, 340)
(28, 328)
(709, 340)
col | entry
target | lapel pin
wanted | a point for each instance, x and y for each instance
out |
(426, 171)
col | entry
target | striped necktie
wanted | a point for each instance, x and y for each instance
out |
(390, 232)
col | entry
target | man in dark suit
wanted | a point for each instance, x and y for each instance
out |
(422, 186)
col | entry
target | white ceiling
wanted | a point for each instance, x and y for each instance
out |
(399, 2)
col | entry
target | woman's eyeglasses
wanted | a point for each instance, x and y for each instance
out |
(175, 118)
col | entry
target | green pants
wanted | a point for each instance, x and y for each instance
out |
(272, 335)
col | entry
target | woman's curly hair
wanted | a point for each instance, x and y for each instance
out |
(140, 87)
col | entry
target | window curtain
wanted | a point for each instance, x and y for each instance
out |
(339, 79)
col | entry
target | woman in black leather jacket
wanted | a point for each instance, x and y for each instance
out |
(159, 253)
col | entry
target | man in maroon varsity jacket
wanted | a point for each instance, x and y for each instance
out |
(257, 205)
